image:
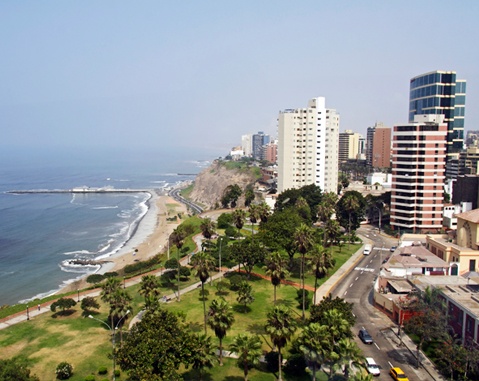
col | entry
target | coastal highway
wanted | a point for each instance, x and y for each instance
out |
(175, 193)
(357, 288)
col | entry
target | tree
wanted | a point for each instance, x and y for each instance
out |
(318, 311)
(303, 209)
(239, 218)
(203, 353)
(276, 269)
(203, 263)
(332, 231)
(249, 196)
(150, 289)
(280, 326)
(177, 238)
(63, 303)
(207, 227)
(156, 346)
(16, 369)
(64, 371)
(320, 260)
(231, 195)
(120, 304)
(311, 193)
(245, 295)
(264, 211)
(304, 236)
(88, 304)
(253, 213)
(314, 343)
(248, 253)
(349, 354)
(220, 320)
(248, 349)
(350, 210)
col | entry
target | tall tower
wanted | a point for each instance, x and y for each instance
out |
(308, 140)
(440, 93)
(258, 141)
(378, 153)
(418, 174)
(348, 145)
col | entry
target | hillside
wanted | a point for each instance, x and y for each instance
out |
(210, 183)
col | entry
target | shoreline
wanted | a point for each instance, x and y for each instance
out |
(149, 237)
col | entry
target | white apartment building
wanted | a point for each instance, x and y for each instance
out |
(247, 144)
(308, 145)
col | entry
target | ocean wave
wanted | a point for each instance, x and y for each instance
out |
(70, 267)
(105, 207)
(78, 252)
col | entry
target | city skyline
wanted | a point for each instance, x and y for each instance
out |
(143, 76)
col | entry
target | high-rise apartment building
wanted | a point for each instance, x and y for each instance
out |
(378, 150)
(308, 141)
(418, 174)
(270, 152)
(348, 146)
(441, 93)
(259, 140)
(247, 144)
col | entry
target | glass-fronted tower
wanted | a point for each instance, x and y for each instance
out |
(440, 93)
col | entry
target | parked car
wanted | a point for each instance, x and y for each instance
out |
(393, 249)
(372, 367)
(365, 336)
(397, 374)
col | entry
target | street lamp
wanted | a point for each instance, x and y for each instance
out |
(28, 314)
(78, 295)
(112, 330)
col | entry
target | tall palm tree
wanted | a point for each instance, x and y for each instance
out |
(120, 304)
(248, 349)
(220, 320)
(150, 289)
(207, 227)
(203, 263)
(108, 294)
(351, 204)
(304, 237)
(339, 327)
(280, 326)
(350, 355)
(314, 343)
(332, 230)
(253, 213)
(264, 211)
(276, 269)
(203, 353)
(177, 238)
(320, 260)
(239, 218)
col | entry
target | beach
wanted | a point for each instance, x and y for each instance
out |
(149, 238)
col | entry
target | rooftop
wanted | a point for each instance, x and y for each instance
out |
(414, 256)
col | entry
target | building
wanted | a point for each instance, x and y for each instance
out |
(349, 146)
(469, 161)
(378, 146)
(441, 93)
(466, 189)
(247, 145)
(270, 152)
(308, 140)
(258, 141)
(417, 190)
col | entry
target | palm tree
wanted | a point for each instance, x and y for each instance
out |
(120, 304)
(253, 212)
(350, 355)
(276, 269)
(281, 327)
(207, 227)
(239, 218)
(245, 294)
(108, 293)
(339, 327)
(320, 261)
(203, 263)
(150, 289)
(220, 320)
(248, 349)
(350, 204)
(264, 211)
(177, 238)
(314, 343)
(304, 237)
(332, 230)
(203, 353)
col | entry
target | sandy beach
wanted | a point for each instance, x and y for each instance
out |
(149, 239)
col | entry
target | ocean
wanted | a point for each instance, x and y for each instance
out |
(40, 233)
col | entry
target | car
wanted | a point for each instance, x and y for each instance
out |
(372, 367)
(393, 249)
(365, 336)
(397, 374)
(367, 249)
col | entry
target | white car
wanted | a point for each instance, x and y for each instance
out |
(372, 367)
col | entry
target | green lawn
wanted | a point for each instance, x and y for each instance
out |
(86, 343)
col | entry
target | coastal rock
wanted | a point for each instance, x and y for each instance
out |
(212, 181)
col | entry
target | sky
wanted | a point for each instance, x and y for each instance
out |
(146, 75)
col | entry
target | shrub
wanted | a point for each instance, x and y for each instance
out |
(272, 361)
(90, 377)
(103, 370)
(111, 274)
(230, 231)
(117, 373)
(235, 281)
(296, 365)
(224, 220)
(64, 371)
(95, 278)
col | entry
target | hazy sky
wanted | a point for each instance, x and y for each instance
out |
(148, 74)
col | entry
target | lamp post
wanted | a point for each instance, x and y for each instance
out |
(78, 295)
(112, 330)
(221, 241)
(28, 313)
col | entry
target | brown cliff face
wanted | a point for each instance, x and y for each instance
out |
(211, 182)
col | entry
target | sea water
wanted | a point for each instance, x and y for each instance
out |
(40, 234)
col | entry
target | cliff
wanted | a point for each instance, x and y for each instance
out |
(210, 183)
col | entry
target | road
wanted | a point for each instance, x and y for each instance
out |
(175, 193)
(357, 288)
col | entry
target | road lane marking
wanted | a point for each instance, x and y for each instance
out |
(390, 365)
(357, 278)
(378, 347)
(345, 292)
(351, 285)
(362, 269)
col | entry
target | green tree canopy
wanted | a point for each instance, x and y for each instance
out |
(350, 210)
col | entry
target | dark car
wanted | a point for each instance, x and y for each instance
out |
(365, 336)
(393, 248)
